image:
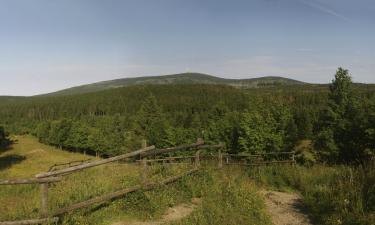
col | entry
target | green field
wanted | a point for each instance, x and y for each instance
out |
(230, 196)
(27, 156)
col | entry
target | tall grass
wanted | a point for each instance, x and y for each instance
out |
(228, 197)
(333, 195)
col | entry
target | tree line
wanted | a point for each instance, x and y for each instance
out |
(339, 118)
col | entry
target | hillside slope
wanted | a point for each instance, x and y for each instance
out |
(183, 78)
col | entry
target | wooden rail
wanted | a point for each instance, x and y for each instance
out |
(262, 163)
(31, 181)
(43, 179)
(290, 159)
(32, 221)
(171, 149)
(77, 162)
(167, 159)
(95, 163)
(120, 193)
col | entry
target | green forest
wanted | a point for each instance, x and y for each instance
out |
(335, 177)
(339, 118)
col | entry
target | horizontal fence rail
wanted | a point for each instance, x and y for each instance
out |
(259, 159)
(172, 149)
(30, 181)
(95, 163)
(33, 221)
(71, 163)
(119, 193)
(55, 175)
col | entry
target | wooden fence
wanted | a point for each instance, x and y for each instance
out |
(55, 175)
(147, 154)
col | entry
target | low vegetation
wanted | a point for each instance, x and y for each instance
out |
(332, 195)
(230, 196)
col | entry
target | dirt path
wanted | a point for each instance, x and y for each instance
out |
(285, 208)
(173, 214)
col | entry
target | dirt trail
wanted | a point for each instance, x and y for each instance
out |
(285, 208)
(173, 214)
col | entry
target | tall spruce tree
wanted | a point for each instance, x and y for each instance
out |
(341, 136)
(152, 123)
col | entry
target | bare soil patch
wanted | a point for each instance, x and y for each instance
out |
(285, 208)
(173, 214)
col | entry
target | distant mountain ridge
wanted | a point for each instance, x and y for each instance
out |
(182, 78)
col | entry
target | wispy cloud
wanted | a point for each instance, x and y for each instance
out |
(305, 50)
(322, 8)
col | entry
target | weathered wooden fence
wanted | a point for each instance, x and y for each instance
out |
(147, 155)
(55, 175)
(258, 159)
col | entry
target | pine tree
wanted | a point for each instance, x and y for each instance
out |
(152, 123)
(342, 137)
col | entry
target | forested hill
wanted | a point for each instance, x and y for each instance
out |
(183, 78)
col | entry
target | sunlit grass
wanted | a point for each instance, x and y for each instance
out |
(333, 195)
(33, 157)
(228, 195)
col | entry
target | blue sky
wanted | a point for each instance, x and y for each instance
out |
(47, 45)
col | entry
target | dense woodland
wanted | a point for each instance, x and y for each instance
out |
(339, 118)
(336, 180)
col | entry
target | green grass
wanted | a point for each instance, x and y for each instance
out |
(27, 157)
(333, 195)
(228, 196)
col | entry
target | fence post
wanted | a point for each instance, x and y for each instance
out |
(197, 160)
(220, 158)
(44, 200)
(293, 159)
(144, 164)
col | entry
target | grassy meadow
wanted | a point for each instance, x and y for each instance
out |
(27, 157)
(228, 196)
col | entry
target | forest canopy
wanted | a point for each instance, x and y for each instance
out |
(339, 118)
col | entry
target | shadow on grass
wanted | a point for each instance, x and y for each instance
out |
(9, 160)
(7, 146)
(302, 208)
